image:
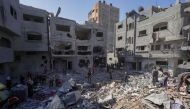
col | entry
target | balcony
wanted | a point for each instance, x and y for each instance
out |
(166, 54)
(65, 53)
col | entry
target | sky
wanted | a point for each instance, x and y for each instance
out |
(78, 9)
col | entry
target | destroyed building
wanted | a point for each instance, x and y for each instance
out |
(106, 15)
(156, 36)
(34, 40)
(75, 46)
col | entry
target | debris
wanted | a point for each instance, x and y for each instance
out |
(72, 98)
(20, 91)
(55, 103)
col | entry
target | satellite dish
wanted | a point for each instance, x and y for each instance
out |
(58, 12)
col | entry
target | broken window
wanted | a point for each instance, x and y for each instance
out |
(69, 35)
(162, 63)
(34, 36)
(110, 59)
(160, 26)
(119, 38)
(31, 53)
(120, 26)
(17, 58)
(83, 63)
(142, 33)
(99, 34)
(167, 46)
(157, 47)
(63, 28)
(180, 61)
(120, 49)
(131, 26)
(155, 29)
(164, 27)
(68, 47)
(83, 33)
(13, 12)
(152, 47)
(141, 48)
(85, 48)
(5, 43)
(97, 49)
(132, 40)
(33, 18)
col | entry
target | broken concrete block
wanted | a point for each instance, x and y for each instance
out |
(72, 98)
(55, 103)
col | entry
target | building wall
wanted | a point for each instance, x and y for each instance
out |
(105, 15)
(173, 36)
(77, 31)
(121, 34)
(6, 53)
(10, 15)
(33, 27)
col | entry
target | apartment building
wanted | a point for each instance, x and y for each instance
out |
(105, 15)
(31, 49)
(23, 38)
(9, 30)
(75, 46)
(155, 36)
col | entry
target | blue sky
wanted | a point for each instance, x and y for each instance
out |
(78, 9)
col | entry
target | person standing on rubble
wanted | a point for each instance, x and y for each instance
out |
(154, 75)
(8, 82)
(126, 76)
(109, 71)
(89, 75)
(30, 83)
(165, 79)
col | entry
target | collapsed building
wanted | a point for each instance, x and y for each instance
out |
(156, 36)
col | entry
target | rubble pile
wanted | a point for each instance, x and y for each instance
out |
(118, 94)
(137, 92)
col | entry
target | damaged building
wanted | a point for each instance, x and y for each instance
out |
(156, 36)
(75, 46)
(106, 15)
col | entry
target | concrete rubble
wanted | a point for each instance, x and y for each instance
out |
(137, 93)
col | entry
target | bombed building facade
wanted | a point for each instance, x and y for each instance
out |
(24, 38)
(156, 36)
(106, 15)
(75, 46)
(34, 40)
